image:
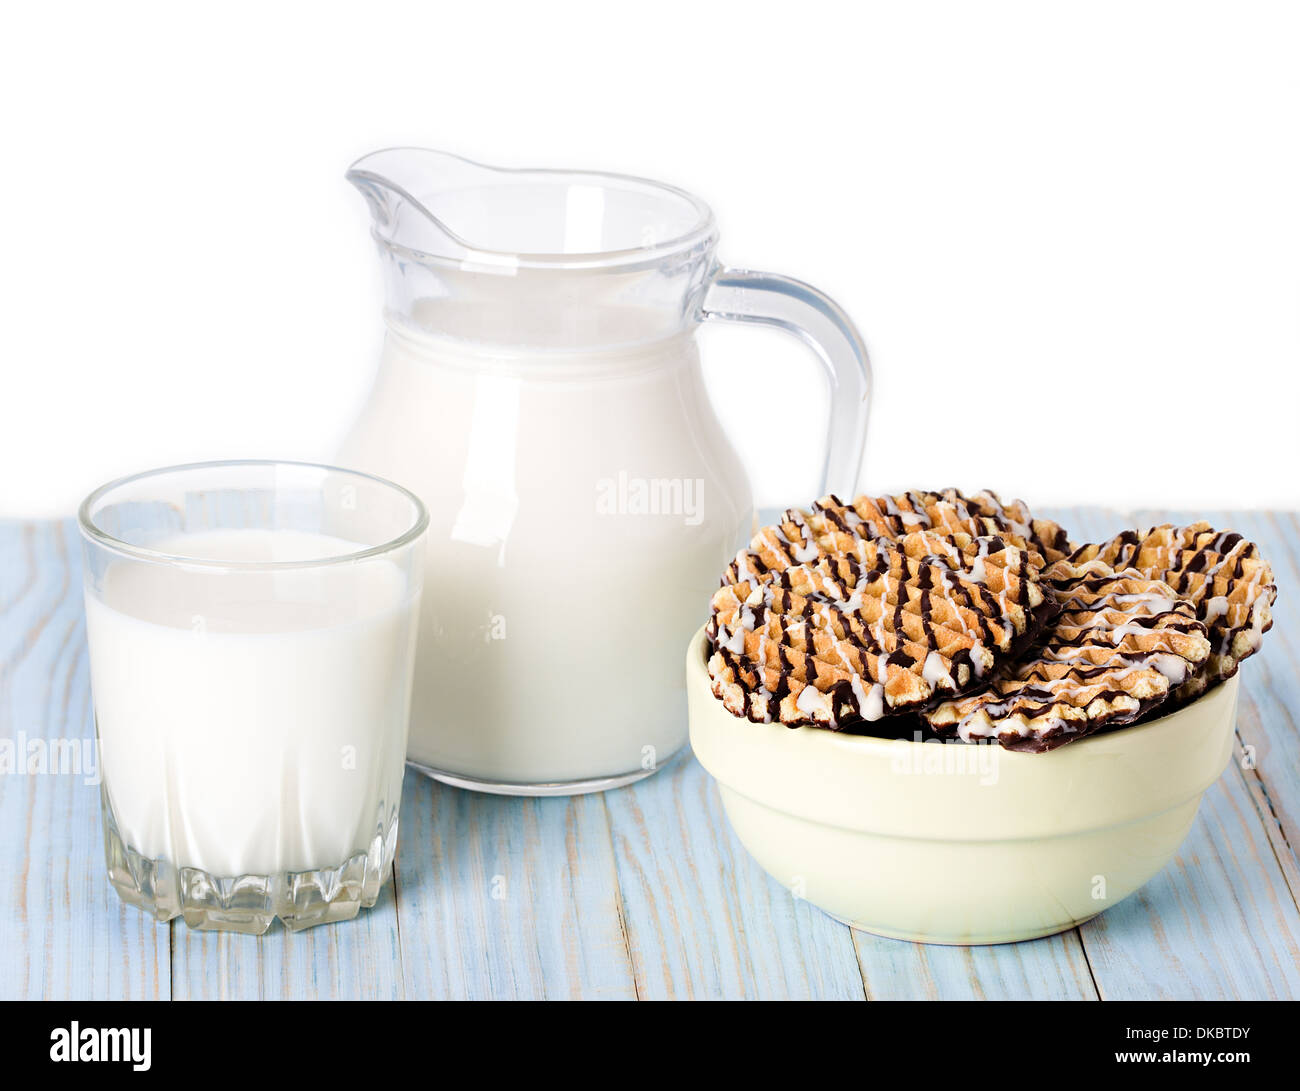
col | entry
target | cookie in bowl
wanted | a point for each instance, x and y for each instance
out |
(832, 628)
(1121, 644)
(1219, 572)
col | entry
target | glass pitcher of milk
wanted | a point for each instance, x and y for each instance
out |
(540, 390)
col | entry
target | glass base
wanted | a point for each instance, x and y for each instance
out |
(248, 903)
(548, 788)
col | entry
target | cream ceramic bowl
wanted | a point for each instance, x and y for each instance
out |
(958, 843)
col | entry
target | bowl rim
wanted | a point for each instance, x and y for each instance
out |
(888, 747)
(913, 789)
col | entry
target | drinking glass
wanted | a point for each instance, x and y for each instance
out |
(252, 629)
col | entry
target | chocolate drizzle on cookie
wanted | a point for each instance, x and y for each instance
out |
(818, 625)
(1221, 573)
(948, 511)
(1119, 646)
(977, 619)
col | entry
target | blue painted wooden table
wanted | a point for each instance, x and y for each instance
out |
(642, 892)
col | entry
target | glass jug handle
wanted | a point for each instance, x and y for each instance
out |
(740, 295)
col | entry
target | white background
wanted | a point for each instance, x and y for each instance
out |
(1069, 233)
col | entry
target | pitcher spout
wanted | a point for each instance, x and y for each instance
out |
(401, 184)
(437, 205)
(491, 255)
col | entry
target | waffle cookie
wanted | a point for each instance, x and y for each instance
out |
(814, 625)
(1120, 645)
(949, 511)
(1219, 572)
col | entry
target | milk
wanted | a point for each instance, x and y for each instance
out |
(582, 505)
(252, 723)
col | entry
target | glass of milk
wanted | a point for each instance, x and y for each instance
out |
(252, 631)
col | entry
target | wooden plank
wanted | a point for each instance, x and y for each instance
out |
(353, 960)
(703, 920)
(66, 935)
(1054, 968)
(1218, 922)
(508, 898)
(641, 892)
(1267, 727)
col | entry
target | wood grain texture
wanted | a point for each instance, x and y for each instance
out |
(63, 932)
(1054, 968)
(702, 919)
(508, 898)
(1267, 727)
(353, 960)
(1218, 923)
(643, 892)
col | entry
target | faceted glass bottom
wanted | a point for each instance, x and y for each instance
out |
(248, 903)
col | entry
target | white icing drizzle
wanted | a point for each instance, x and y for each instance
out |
(977, 573)
(1173, 667)
(874, 708)
(828, 598)
(936, 670)
(809, 700)
(1160, 604)
(1029, 700)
